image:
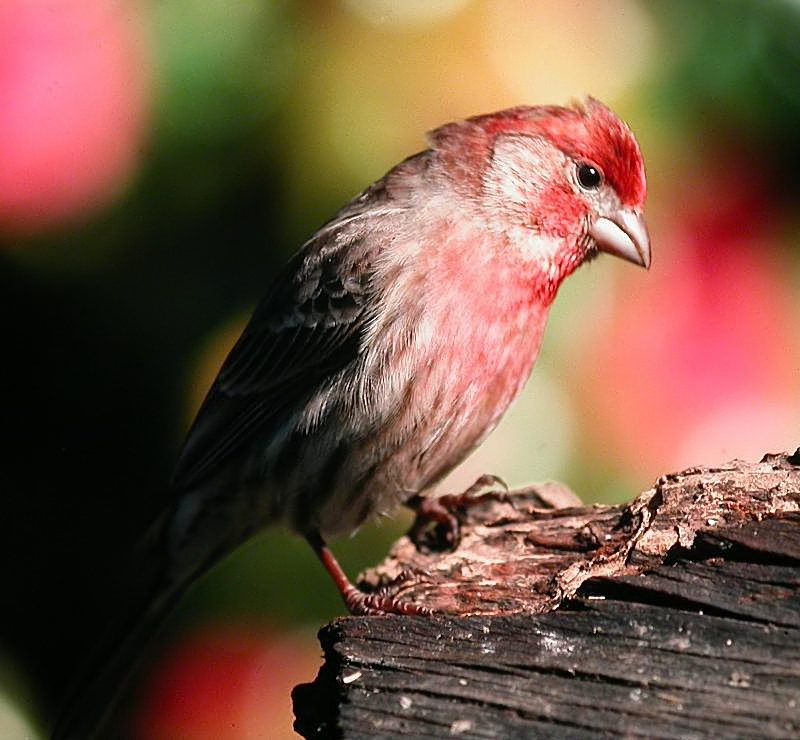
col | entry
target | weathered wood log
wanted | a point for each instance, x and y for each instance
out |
(676, 615)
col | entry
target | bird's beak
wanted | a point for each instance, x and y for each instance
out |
(625, 235)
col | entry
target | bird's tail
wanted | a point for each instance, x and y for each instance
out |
(200, 527)
(95, 692)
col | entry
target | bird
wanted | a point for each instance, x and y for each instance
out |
(392, 342)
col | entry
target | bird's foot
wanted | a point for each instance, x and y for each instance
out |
(436, 526)
(363, 604)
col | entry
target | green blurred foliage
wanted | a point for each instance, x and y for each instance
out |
(734, 63)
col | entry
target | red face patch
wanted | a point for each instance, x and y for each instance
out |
(589, 132)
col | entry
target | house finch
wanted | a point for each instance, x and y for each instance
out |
(394, 340)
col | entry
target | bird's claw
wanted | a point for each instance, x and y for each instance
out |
(372, 605)
(486, 485)
(438, 510)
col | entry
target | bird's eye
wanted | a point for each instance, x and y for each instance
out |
(589, 177)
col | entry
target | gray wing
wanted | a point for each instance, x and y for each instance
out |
(306, 329)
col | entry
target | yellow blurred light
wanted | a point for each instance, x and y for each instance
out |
(13, 724)
(551, 50)
(404, 14)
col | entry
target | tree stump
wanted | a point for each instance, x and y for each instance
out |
(676, 615)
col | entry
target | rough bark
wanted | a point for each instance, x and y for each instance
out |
(676, 615)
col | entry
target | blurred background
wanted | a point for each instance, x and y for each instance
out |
(159, 160)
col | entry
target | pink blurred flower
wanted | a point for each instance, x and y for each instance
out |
(225, 683)
(75, 89)
(700, 364)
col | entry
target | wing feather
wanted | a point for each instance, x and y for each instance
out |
(306, 329)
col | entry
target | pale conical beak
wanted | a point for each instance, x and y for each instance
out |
(625, 235)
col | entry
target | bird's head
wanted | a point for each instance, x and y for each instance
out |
(563, 183)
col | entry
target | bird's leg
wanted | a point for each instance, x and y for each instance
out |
(438, 510)
(358, 602)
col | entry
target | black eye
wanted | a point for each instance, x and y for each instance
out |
(589, 176)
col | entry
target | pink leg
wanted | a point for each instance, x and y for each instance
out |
(357, 602)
